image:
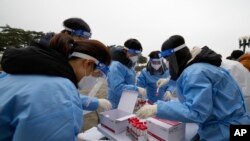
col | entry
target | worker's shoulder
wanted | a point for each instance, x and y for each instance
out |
(200, 67)
(41, 81)
(118, 65)
(52, 81)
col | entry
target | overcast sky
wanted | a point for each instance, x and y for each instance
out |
(215, 23)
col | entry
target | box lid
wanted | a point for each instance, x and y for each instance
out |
(128, 101)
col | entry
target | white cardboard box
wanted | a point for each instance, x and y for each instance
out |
(90, 135)
(116, 120)
(165, 130)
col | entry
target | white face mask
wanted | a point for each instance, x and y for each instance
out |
(87, 83)
(134, 59)
(156, 66)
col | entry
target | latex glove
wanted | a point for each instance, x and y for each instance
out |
(147, 111)
(105, 104)
(167, 96)
(162, 82)
(142, 91)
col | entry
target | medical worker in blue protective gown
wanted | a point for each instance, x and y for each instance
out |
(156, 69)
(208, 94)
(78, 29)
(38, 104)
(122, 74)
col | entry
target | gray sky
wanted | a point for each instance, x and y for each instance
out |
(215, 23)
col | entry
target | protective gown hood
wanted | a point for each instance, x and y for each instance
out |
(37, 60)
(206, 55)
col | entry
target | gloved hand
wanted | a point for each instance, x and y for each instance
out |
(147, 111)
(167, 96)
(142, 91)
(105, 104)
(162, 82)
(96, 73)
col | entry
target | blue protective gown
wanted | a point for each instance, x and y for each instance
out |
(208, 96)
(120, 78)
(148, 81)
(39, 108)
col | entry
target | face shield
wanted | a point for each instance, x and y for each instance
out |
(166, 63)
(171, 58)
(99, 66)
(133, 55)
(156, 63)
(103, 69)
(94, 83)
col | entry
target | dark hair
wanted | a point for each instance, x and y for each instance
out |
(235, 54)
(76, 23)
(173, 42)
(95, 49)
(154, 54)
(149, 68)
(65, 45)
(182, 55)
(133, 44)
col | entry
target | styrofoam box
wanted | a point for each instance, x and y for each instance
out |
(116, 120)
(165, 130)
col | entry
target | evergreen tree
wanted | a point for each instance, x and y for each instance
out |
(16, 37)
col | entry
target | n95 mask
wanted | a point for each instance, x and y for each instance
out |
(134, 59)
(156, 66)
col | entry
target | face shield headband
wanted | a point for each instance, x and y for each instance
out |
(133, 51)
(100, 66)
(169, 52)
(79, 32)
(156, 61)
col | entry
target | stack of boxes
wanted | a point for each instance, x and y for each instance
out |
(165, 130)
